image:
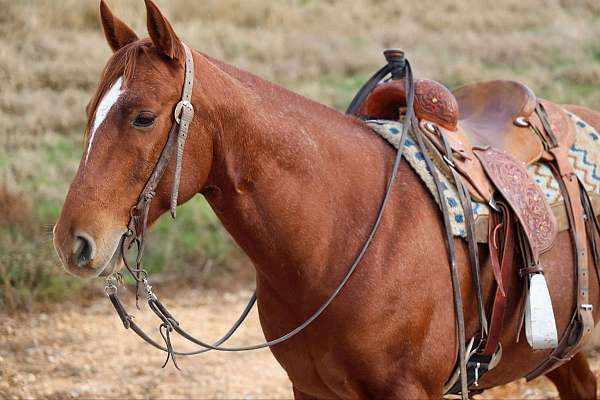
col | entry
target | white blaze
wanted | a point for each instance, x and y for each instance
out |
(107, 102)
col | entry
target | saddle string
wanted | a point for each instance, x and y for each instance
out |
(136, 229)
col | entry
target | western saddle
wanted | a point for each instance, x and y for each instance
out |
(496, 114)
(482, 136)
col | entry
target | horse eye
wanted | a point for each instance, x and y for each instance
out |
(144, 119)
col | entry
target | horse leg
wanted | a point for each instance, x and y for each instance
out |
(574, 380)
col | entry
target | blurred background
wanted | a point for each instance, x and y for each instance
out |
(51, 55)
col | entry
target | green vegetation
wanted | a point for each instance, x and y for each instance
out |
(196, 238)
(51, 55)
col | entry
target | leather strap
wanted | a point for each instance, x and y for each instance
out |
(458, 303)
(129, 322)
(581, 325)
(139, 212)
(465, 200)
(367, 88)
(573, 189)
(593, 227)
(184, 113)
(499, 220)
(571, 185)
(574, 202)
(396, 67)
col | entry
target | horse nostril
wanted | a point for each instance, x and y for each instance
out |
(83, 249)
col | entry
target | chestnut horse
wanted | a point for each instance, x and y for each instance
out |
(297, 185)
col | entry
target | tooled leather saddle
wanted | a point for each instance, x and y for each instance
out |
(493, 114)
(482, 136)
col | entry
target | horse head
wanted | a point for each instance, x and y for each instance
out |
(128, 123)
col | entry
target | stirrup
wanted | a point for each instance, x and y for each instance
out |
(477, 366)
(540, 326)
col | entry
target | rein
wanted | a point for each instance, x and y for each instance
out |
(397, 66)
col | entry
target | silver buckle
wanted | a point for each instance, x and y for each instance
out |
(179, 109)
(492, 203)
(430, 127)
(587, 307)
(477, 366)
(521, 121)
(449, 161)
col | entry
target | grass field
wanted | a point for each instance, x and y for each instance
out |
(51, 54)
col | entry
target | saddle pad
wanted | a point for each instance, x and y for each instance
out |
(584, 156)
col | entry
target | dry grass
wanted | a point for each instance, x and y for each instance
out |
(51, 54)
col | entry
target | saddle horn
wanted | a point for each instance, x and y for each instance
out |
(396, 62)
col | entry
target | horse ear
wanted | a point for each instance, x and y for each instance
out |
(117, 33)
(162, 34)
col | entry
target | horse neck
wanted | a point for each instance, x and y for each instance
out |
(295, 183)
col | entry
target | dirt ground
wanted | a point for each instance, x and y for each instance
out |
(80, 350)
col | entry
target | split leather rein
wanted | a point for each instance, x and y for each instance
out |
(398, 67)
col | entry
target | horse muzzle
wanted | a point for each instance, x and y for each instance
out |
(86, 256)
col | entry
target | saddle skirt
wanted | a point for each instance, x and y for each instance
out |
(584, 155)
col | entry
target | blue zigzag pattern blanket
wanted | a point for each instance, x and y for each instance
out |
(584, 156)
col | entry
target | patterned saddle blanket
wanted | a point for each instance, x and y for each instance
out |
(584, 155)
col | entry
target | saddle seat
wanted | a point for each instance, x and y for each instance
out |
(497, 114)
(488, 111)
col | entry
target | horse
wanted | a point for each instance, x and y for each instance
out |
(297, 185)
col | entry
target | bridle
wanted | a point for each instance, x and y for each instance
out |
(397, 66)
